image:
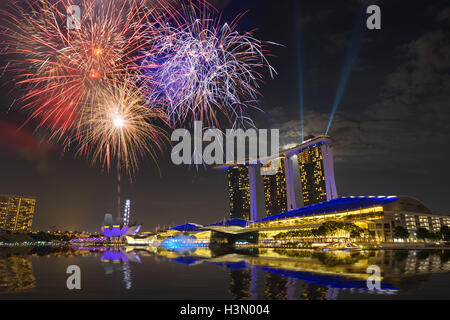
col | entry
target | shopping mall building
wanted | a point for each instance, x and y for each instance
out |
(376, 216)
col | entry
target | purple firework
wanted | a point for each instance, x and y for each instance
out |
(205, 70)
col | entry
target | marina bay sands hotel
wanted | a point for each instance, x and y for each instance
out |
(315, 161)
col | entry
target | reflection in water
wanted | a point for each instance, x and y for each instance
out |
(315, 292)
(121, 259)
(127, 276)
(16, 274)
(272, 274)
(291, 289)
(310, 275)
(332, 293)
(240, 284)
(254, 282)
(275, 287)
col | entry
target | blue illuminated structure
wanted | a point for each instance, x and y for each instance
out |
(231, 223)
(116, 231)
(192, 227)
(334, 205)
(188, 227)
(114, 256)
(312, 278)
(189, 261)
(334, 281)
(182, 244)
(240, 265)
(112, 230)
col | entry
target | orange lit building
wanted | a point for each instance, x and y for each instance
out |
(16, 212)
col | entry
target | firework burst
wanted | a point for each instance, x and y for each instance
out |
(102, 85)
(63, 70)
(206, 69)
(119, 127)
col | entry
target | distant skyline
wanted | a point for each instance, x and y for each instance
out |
(391, 128)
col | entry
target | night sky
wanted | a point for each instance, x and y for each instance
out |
(391, 128)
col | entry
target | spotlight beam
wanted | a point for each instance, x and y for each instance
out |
(300, 67)
(352, 54)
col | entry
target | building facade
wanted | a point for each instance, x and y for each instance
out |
(275, 191)
(378, 217)
(374, 218)
(16, 212)
(315, 161)
(16, 274)
(239, 192)
(315, 158)
(410, 214)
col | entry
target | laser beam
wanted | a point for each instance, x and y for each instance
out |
(352, 54)
(300, 67)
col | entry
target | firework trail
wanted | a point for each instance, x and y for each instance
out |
(203, 69)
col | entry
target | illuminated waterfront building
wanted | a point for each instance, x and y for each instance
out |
(120, 227)
(275, 192)
(410, 214)
(377, 216)
(241, 192)
(315, 160)
(16, 212)
(321, 275)
(111, 229)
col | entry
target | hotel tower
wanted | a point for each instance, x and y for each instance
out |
(315, 160)
(16, 212)
(242, 192)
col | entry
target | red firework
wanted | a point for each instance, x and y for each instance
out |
(63, 69)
